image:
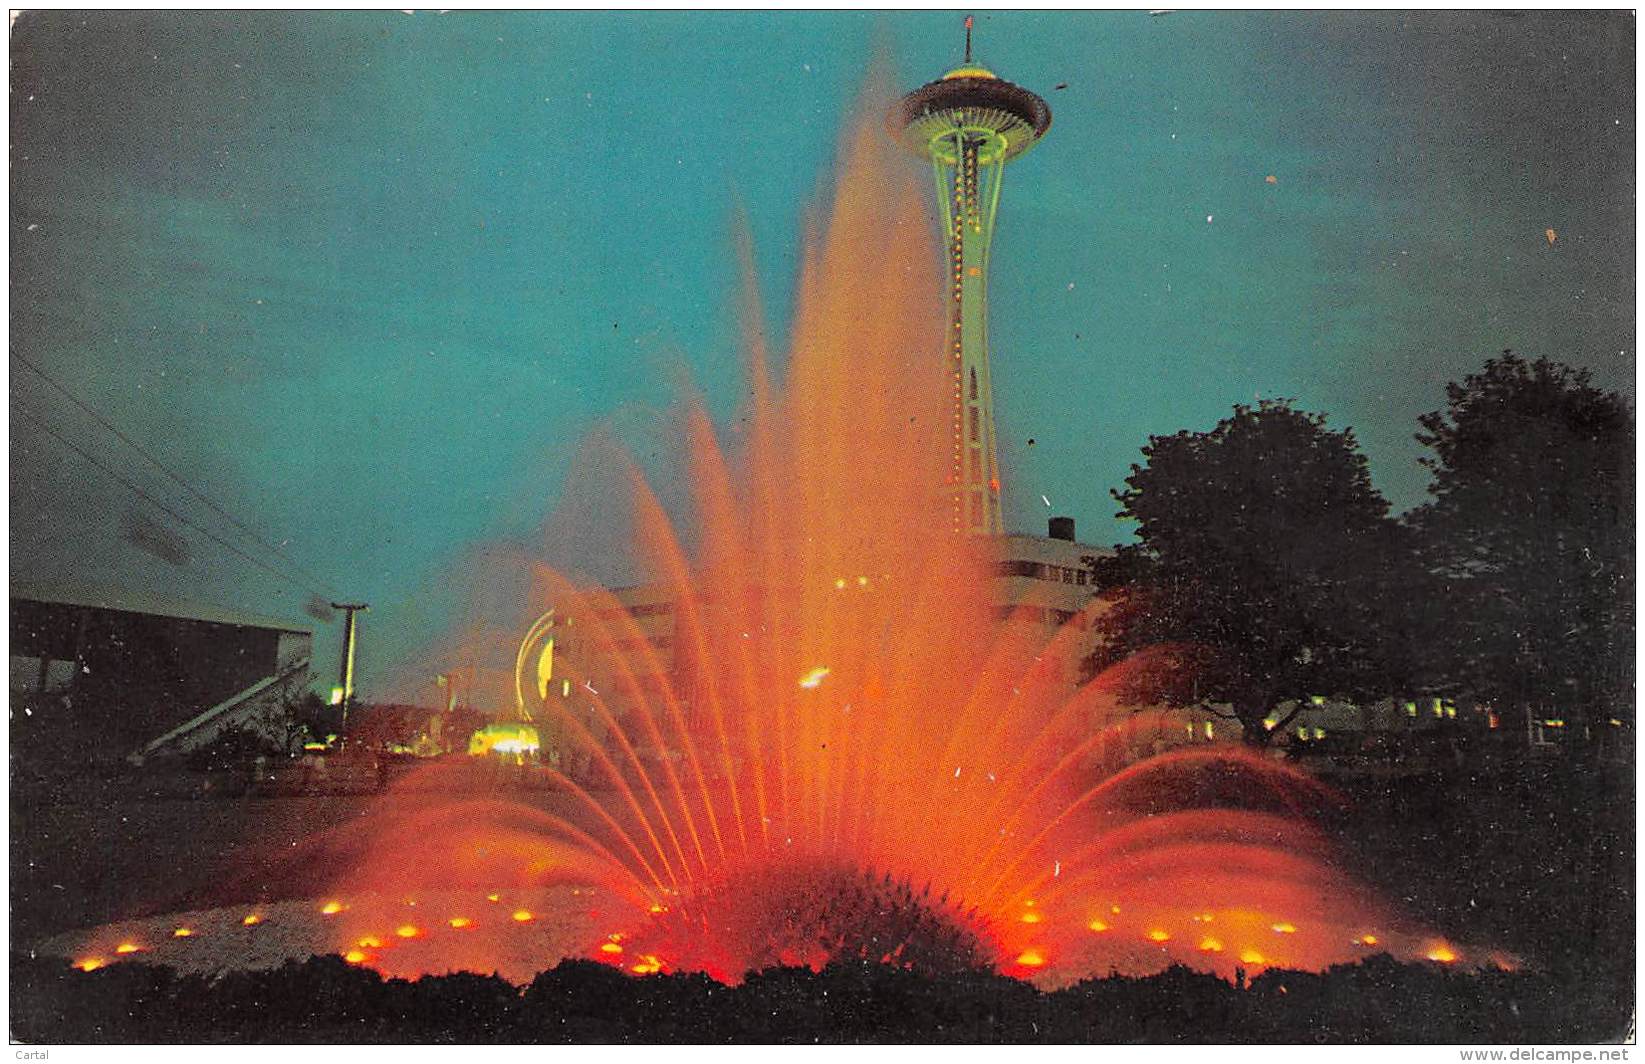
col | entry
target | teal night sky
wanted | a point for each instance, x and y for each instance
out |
(369, 278)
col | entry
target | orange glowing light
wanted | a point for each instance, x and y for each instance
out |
(407, 931)
(522, 916)
(1251, 956)
(1368, 940)
(371, 942)
(1158, 935)
(354, 956)
(655, 909)
(90, 964)
(127, 947)
(814, 678)
(1285, 928)
(494, 897)
(1210, 945)
(460, 922)
(1097, 925)
(332, 908)
(1442, 953)
(182, 932)
(252, 921)
(1031, 958)
(1115, 910)
(610, 947)
(1031, 918)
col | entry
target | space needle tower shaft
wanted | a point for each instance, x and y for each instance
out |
(970, 123)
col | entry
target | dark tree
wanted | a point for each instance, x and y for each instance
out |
(1267, 570)
(1531, 533)
(307, 718)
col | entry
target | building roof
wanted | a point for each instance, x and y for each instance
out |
(127, 601)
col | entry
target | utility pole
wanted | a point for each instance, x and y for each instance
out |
(347, 678)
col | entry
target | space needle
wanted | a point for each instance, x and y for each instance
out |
(970, 123)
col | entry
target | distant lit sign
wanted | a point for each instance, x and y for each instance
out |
(336, 696)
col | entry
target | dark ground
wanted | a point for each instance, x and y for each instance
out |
(1538, 861)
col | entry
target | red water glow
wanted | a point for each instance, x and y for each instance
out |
(854, 756)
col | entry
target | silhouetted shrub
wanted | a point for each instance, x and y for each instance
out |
(326, 999)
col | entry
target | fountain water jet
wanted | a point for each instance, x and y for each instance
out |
(854, 756)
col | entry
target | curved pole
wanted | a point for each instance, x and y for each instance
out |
(543, 622)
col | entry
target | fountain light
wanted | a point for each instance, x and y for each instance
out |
(408, 931)
(460, 922)
(182, 932)
(1251, 956)
(252, 920)
(1441, 952)
(332, 908)
(1031, 958)
(89, 964)
(127, 947)
(1159, 935)
(522, 916)
(1210, 945)
(1285, 927)
(814, 678)
(1097, 926)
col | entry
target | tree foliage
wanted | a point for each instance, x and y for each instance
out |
(1266, 560)
(1531, 532)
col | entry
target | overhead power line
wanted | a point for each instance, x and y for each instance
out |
(140, 493)
(168, 471)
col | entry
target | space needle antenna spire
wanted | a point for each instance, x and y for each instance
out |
(969, 20)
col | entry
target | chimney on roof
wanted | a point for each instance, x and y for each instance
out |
(1062, 528)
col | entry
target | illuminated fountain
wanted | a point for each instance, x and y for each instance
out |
(853, 756)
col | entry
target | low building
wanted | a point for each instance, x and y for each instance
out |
(101, 675)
